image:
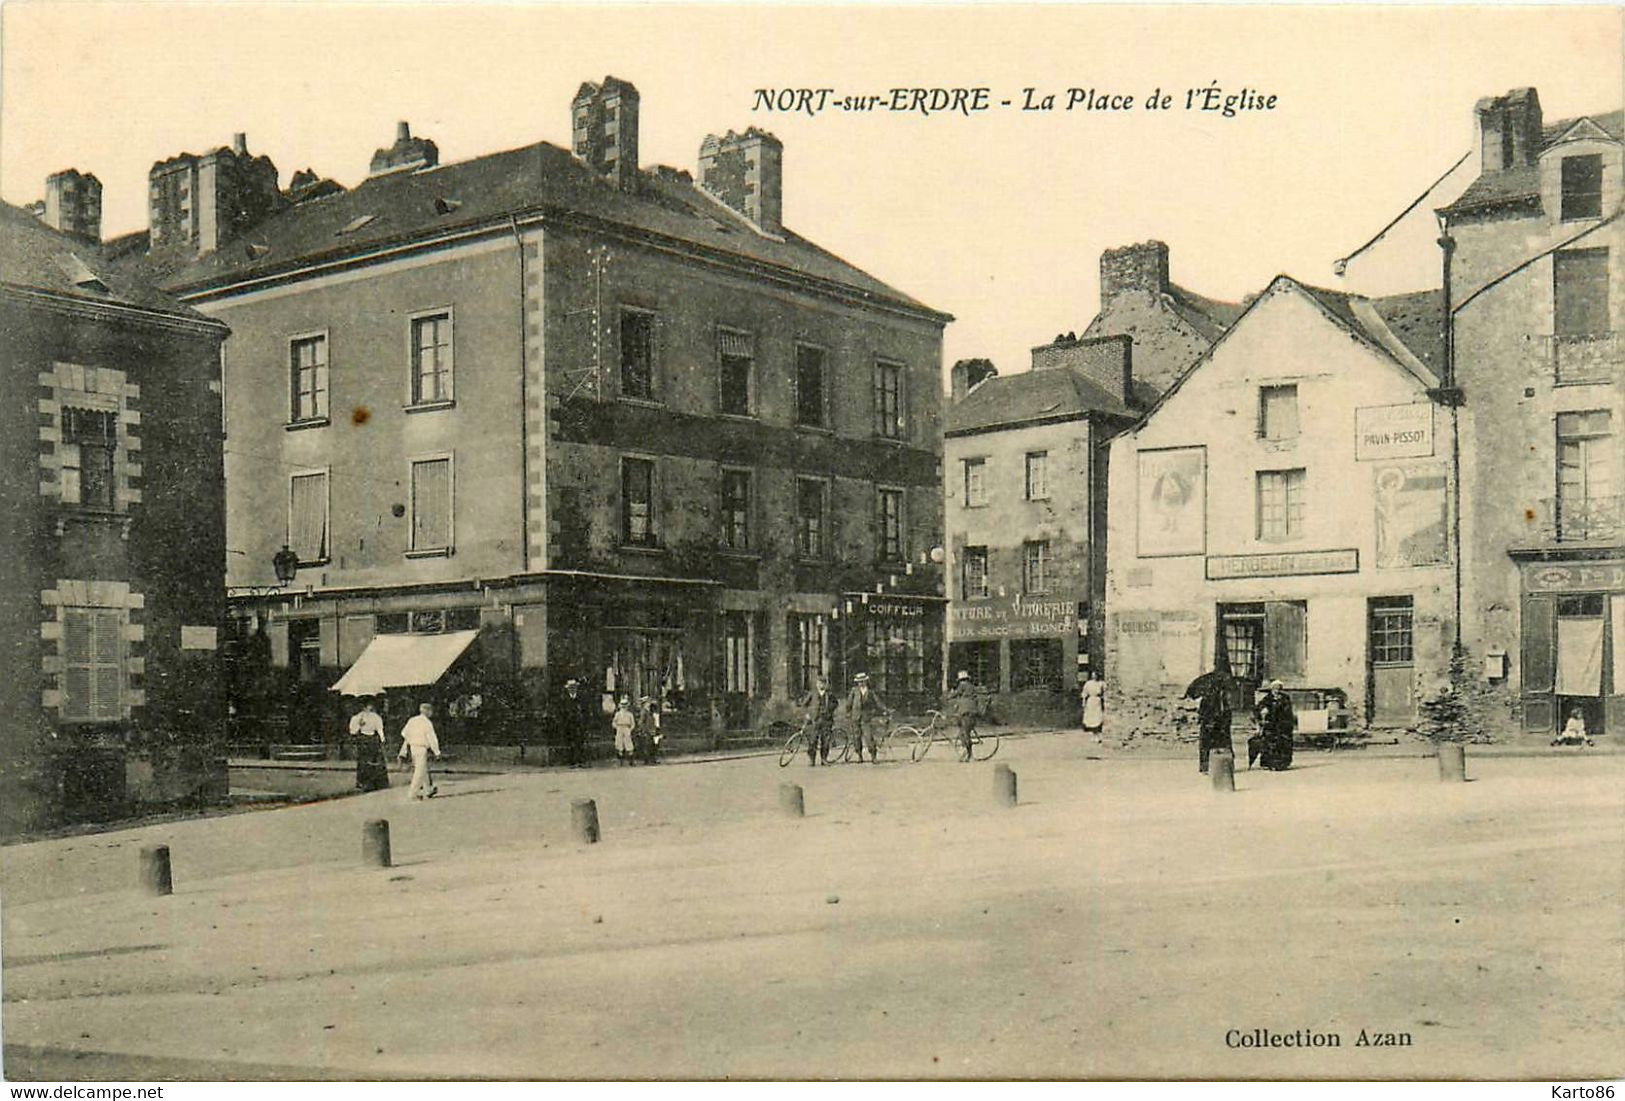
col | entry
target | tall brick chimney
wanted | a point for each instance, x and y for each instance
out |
(407, 153)
(1133, 268)
(1509, 130)
(964, 375)
(604, 130)
(198, 203)
(746, 172)
(1106, 361)
(73, 203)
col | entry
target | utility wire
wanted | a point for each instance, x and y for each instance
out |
(1341, 266)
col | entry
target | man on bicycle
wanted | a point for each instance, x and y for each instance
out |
(865, 710)
(962, 706)
(821, 704)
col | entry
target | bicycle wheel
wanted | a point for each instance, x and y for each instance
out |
(794, 746)
(983, 747)
(840, 745)
(919, 742)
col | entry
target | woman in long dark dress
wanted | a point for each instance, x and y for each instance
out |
(367, 731)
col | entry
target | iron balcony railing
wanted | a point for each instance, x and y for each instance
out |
(1582, 520)
(1573, 360)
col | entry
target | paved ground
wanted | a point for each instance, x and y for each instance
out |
(1118, 923)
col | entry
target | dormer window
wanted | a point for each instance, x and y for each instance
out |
(1582, 187)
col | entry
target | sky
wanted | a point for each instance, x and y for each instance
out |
(997, 216)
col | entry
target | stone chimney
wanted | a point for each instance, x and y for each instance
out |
(1133, 268)
(406, 154)
(964, 376)
(746, 172)
(1510, 130)
(73, 203)
(1106, 361)
(604, 130)
(198, 203)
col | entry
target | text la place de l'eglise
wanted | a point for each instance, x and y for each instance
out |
(1306, 1037)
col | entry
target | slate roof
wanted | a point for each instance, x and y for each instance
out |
(1207, 316)
(541, 178)
(1414, 319)
(1522, 183)
(33, 256)
(1051, 393)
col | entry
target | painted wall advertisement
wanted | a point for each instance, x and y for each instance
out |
(1172, 502)
(1412, 515)
(1018, 616)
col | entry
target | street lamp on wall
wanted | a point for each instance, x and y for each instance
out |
(286, 564)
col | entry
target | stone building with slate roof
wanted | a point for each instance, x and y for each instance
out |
(623, 421)
(1285, 503)
(1537, 279)
(1025, 464)
(113, 529)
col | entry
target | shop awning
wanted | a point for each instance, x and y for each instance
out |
(403, 661)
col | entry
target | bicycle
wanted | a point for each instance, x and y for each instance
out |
(840, 742)
(982, 746)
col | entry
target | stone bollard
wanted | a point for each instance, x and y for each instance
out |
(1452, 762)
(1221, 765)
(155, 879)
(790, 801)
(584, 820)
(375, 843)
(1004, 785)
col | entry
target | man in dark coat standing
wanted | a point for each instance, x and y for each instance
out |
(865, 711)
(821, 704)
(1212, 694)
(575, 723)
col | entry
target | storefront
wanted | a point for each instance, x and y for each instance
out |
(1032, 650)
(1573, 628)
(896, 639)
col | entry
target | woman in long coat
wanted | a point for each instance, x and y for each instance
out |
(367, 732)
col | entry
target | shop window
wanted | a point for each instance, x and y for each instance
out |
(980, 660)
(736, 653)
(809, 386)
(89, 442)
(896, 652)
(1278, 412)
(973, 572)
(1281, 505)
(1582, 187)
(391, 623)
(637, 354)
(1035, 663)
(737, 360)
(648, 663)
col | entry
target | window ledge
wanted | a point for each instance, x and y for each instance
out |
(429, 552)
(314, 422)
(430, 406)
(738, 417)
(806, 560)
(815, 429)
(647, 403)
(642, 548)
(1039, 500)
(314, 563)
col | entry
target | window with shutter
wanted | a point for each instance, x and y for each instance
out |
(431, 504)
(1580, 293)
(307, 517)
(92, 682)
